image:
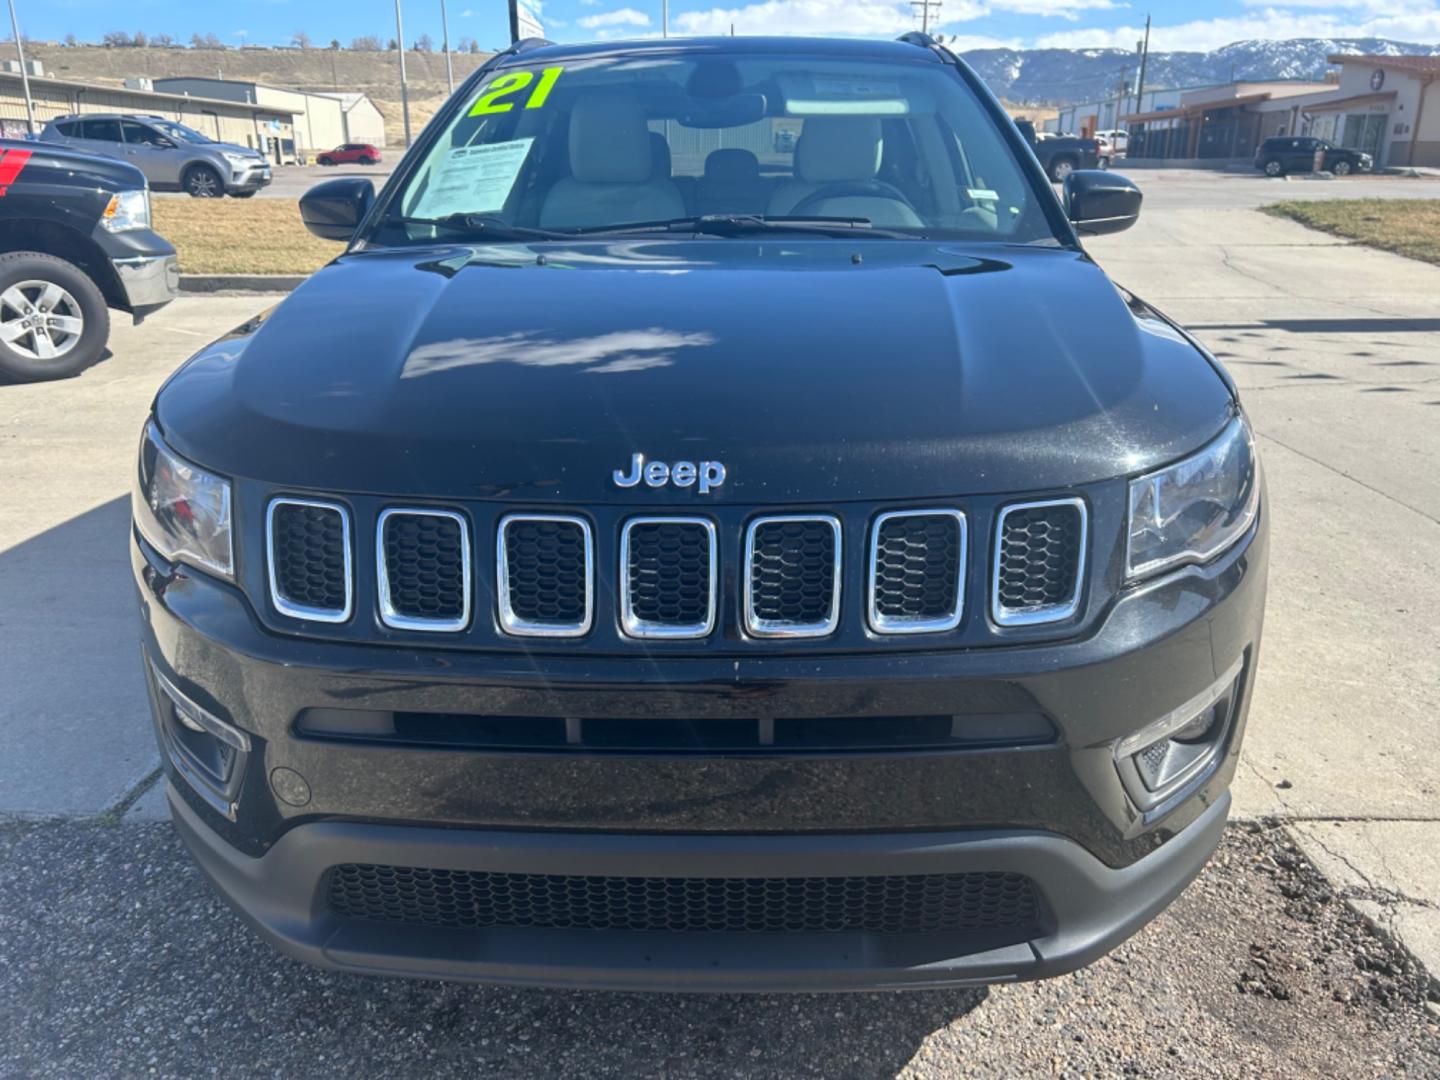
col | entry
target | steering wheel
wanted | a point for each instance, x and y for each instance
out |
(854, 189)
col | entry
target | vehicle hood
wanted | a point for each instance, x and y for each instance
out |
(814, 370)
(234, 148)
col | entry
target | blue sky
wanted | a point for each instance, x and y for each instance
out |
(1179, 24)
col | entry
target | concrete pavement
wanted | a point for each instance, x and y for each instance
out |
(1336, 349)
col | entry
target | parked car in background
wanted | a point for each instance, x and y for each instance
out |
(1105, 152)
(1118, 138)
(1060, 155)
(75, 241)
(172, 156)
(350, 154)
(1288, 153)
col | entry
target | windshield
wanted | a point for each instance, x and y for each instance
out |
(599, 144)
(180, 132)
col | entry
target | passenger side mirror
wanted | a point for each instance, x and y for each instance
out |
(332, 210)
(1097, 201)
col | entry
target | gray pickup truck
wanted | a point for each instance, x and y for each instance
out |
(1061, 155)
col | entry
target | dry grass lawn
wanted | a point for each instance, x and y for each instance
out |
(1408, 227)
(240, 236)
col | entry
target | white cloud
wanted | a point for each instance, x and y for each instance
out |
(1421, 23)
(468, 13)
(849, 18)
(1062, 9)
(620, 17)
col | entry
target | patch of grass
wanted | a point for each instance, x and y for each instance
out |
(1409, 227)
(240, 236)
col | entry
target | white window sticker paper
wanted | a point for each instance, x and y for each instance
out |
(473, 179)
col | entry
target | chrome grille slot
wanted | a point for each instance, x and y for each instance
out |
(668, 577)
(423, 564)
(1039, 562)
(308, 553)
(917, 571)
(792, 576)
(546, 569)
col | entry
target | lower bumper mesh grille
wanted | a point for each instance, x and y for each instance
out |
(898, 904)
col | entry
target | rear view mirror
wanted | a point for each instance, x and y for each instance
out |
(734, 111)
(332, 210)
(1098, 201)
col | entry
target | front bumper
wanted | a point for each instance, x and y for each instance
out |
(1057, 812)
(149, 282)
(250, 178)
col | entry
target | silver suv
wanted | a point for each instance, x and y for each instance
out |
(172, 156)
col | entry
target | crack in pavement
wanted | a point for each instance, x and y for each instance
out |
(1353, 479)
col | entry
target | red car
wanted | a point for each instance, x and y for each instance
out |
(350, 154)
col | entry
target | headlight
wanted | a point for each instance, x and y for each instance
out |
(1196, 508)
(182, 510)
(239, 159)
(127, 210)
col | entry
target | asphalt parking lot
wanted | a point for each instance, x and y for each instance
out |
(116, 960)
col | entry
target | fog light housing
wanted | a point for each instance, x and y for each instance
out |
(205, 750)
(1160, 759)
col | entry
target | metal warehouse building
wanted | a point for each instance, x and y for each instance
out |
(322, 120)
(270, 130)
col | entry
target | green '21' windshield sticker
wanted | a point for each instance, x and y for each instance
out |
(491, 100)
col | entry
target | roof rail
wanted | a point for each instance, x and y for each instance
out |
(915, 37)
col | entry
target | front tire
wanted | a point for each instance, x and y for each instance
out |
(53, 319)
(1341, 168)
(203, 182)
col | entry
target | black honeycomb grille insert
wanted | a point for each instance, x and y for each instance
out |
(1039, 561)
(917, 567)
(668, 573)
(899, 904)
(792, 573)
(425, 566)
(308, 549)
(546, 569)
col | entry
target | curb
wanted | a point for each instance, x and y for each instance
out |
(266, 283)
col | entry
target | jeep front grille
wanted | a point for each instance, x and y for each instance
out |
(891, 904)
(308, 556)
(545, 564)
(667, 577)
(423, 564)
(917, 571)
(1039, 562)
(792, 576)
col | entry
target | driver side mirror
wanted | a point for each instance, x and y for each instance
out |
(1098, 201)
(334, 209)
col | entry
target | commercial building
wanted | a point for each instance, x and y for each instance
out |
(1215, 124)
(1387, 106)
(1089, 117)
(265, 128)
(322, 120)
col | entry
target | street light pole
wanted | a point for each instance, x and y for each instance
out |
(24, 75)
(445, 35)
(404, 89)
(664, 18)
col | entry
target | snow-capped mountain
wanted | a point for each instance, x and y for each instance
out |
(1066, 75)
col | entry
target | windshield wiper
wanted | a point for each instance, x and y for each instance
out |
(749, 224)
(488, 226)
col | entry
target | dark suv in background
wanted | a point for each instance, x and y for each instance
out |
(172, 156)
(658, 554)
(1287, 153)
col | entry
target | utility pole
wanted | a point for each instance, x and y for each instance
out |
(664, 18)
(925, 6)
(445, 37)
(24, 75)
(1120, 97)
(404, 89)
(1144, 59)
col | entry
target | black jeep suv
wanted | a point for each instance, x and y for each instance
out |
(662, 554)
